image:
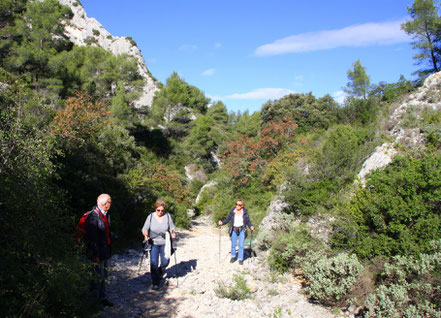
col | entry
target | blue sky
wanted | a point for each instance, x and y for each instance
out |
(246, 52)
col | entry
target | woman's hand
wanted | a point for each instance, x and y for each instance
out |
(252, 228)
(173, 234)
(219, 223)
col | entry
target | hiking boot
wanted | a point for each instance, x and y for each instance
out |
(106, 303)
(240, 262)
(233, 259)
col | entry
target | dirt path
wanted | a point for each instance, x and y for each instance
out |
(200, 271)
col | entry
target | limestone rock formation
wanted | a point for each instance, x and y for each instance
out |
(193, 172)
(427, 96)
(82, 30)
(275, 221)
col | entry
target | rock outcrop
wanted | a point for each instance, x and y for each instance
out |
(83, 30)
(193, 172)
(427, 96)
(275, 221)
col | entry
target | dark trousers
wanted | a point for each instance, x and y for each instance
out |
(100, 273)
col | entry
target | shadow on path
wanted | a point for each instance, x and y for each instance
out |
(181, 269)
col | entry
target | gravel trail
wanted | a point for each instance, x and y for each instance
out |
(190, 288)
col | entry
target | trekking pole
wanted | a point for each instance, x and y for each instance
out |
(253, 254)
(176, 270)
(140, 263)
(145, 252)
(219, 244)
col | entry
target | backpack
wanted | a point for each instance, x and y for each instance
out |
(80, 231)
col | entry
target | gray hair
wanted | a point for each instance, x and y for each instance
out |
(103, 199)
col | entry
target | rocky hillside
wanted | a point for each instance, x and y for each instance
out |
(83, 30)
(427, 96)
(397, 131)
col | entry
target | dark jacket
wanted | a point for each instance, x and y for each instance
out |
(246, 220)
(98, 235)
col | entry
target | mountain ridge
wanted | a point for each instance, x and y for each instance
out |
(83, 30)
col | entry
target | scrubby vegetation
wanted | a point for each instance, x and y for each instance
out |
(237, 291)
(69, 131)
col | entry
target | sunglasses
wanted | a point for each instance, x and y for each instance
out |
(238, 204)
(160, 210)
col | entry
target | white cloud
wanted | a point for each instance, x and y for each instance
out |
(218, 45)
(339, 96)
(354, 35)
(262, 93)
(209, 72)
(214, 98)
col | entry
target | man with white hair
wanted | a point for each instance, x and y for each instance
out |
(98, 245)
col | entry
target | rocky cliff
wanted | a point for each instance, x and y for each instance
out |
(83, 30)
(427, 96)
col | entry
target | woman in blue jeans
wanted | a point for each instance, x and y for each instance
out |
(154, 230)
(239, 219)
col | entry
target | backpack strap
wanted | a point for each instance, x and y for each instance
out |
(150, 224)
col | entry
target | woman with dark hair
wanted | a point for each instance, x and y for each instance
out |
(155, 231)
(239, 221)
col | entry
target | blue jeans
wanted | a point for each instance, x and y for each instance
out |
(100, 273)
(234, 238)
(155, 270)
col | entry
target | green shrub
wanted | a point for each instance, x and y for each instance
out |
(409, 287)
(332, 279)
(131, 40)
(397, 213)
(288, 248)
(331, 167)
(309, 197)
(431, 127)
(393, 91)
(336, 160)
(222, 206)
(238, 291)
(90, 40)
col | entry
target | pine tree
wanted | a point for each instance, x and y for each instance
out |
(359, 82)
(425, 29)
